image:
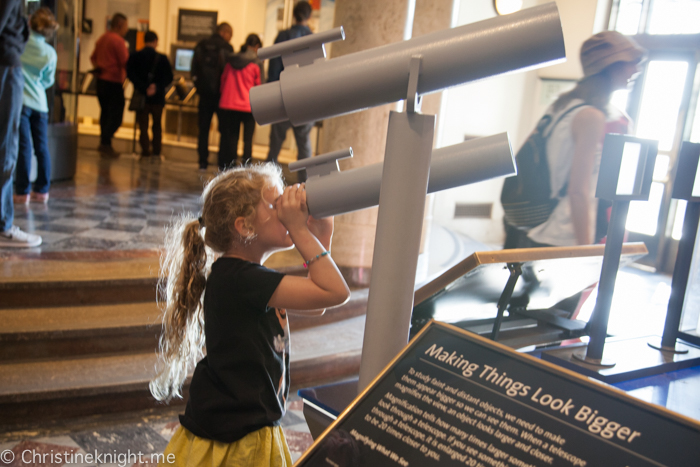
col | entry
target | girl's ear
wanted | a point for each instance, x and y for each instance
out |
(241, 227)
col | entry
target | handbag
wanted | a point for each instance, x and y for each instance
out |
(138, 101)
(138, 98)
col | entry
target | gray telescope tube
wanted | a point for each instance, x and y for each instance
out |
(469, 162)
(378, 76)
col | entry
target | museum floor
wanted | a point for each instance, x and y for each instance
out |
(116, 209)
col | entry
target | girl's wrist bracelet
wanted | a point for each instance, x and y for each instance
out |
(318, 256)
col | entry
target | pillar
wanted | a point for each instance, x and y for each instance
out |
(369, 24)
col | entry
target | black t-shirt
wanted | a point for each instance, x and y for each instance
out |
(243, 383)
(139, 68)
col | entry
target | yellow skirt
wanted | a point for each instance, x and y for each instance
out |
(265, 447)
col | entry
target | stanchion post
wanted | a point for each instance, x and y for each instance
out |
(598, 325)
(626, 170)
(686, 186)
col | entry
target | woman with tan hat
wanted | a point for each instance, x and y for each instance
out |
(581, 117)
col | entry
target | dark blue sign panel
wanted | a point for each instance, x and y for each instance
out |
(453, 398)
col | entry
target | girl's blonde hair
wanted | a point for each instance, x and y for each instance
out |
(185, 265)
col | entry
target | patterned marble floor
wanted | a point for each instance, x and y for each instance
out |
(134, 442)
(134, 220)
(112, 205)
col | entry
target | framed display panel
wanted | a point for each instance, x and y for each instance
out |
(195, 25)
(453, 398)
(626, 168)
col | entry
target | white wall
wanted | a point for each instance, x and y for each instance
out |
(484, 108)
(578, 19)
(99, 11)
(245, 16)
(510, 103)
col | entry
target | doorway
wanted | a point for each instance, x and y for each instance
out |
(662, 103)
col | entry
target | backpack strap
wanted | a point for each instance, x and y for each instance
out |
(546, 136)
(561, 117)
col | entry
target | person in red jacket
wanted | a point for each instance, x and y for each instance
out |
(242, 71)
(109, 59)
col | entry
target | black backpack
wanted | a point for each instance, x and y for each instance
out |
(526, 197)
(209, 61)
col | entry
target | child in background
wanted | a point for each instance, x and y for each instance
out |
(39, 70)
(242, 71)
(238, 392)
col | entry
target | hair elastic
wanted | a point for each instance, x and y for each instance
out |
(318, 256)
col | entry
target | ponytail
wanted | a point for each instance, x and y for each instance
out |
(183, 274)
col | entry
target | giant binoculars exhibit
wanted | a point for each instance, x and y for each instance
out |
(473, 161)
(312, 88)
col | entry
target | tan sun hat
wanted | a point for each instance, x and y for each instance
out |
(608, 47)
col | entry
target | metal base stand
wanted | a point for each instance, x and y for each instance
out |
(656, 344)
(633, 358)
(591, 358)
(598, 362)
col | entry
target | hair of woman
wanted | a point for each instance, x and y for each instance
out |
(185, 265)
(595, 90)
(253, 40)
(43, 22)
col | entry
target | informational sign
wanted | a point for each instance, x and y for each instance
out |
(452, 398)
(195, 25)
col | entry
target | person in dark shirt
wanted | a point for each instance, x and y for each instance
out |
(278, 131)
(239, 390)
(150, 72)
(208, 64)
(14, 33)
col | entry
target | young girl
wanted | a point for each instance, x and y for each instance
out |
(39, 69)
(238, 392)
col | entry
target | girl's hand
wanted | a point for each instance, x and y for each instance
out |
(291, 208)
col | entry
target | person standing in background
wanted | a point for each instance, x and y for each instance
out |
(39, 70)
(150, 72)
(609, 60)
(243, 71)
(109, 59)
(278, 131)
(208, 64)
(14, 33)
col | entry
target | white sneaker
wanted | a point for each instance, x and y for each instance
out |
(17, 238)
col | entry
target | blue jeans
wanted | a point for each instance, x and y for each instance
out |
(33, 138)
(11, 85)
